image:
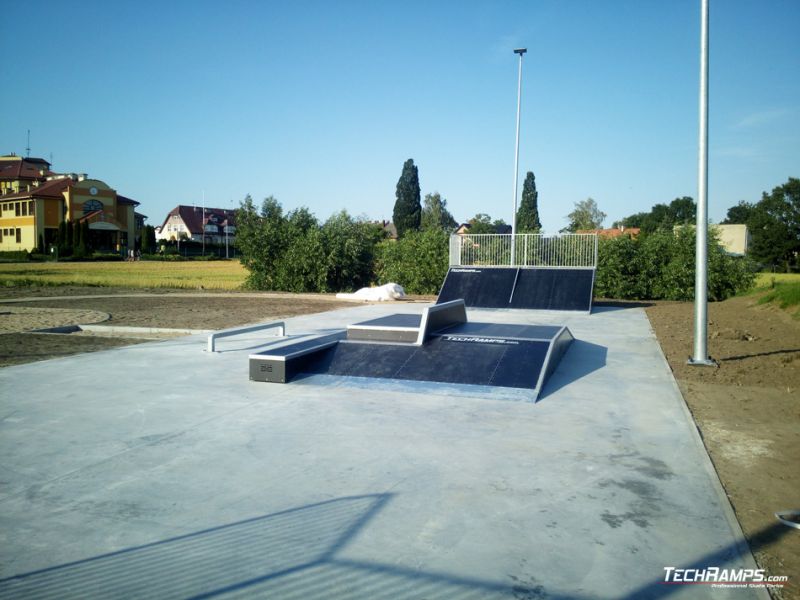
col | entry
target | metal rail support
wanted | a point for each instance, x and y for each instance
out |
(279, 325)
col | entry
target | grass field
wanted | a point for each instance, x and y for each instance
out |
(782, 289)
(765, 280)
(211, 275)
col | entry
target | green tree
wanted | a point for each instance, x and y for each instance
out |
(407, 208)
(418, 261)
(585, 216)
(435, 213)
(528, 213)
(350, 246)
(261, 239)
(302, 267)
(681, 211)
(86, 236)
(69, 240)
(78, 245)
(481, 223)
(739, 214)
(661, 266)
(61, 240)
(775, 225)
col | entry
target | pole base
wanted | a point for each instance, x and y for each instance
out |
(709, 362)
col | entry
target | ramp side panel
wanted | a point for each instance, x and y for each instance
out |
(479, 287)
(444, 359)
(554, 289)
(522, 365)
(558, 347)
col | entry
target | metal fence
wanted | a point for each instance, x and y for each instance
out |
(571, 250)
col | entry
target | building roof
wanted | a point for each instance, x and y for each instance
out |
(13, 168)
(125, 200)
(192, 217)
(49, 189)
(614, 232)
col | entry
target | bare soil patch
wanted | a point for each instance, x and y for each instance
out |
(748, 412)
(33, 308)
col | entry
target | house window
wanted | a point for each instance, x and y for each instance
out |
(1, 235)
(30, 207)
(17, 209)
(24, 209)
(19, 235)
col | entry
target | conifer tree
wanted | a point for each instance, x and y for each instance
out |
(407, 207)
(528, 213)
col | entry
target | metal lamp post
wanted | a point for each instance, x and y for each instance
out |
(700, 356)
(519, 51)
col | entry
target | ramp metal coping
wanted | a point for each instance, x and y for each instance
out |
(299, 349)
(434, 318)
(452, 313)
(479, 336)
(280, 325)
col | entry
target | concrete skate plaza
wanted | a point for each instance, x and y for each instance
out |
(161, 470)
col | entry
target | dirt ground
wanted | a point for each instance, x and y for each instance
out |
(747, 409)
(748, 412)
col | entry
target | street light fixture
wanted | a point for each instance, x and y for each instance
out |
(519, 51)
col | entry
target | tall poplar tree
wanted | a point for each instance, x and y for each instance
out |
(528, 213)
(407, 208)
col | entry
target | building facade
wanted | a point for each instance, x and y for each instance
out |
(34, 201)
(183, 222)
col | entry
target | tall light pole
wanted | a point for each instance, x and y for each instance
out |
(519, 51)
(700, 356)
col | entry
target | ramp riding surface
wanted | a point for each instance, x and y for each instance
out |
(537, 288)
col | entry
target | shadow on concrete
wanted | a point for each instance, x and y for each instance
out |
(581, 359)
(293, 554)
(289, 554)
(613, 305)
(727, 555)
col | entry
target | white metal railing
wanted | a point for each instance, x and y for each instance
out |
(212, 339)
(571, 250)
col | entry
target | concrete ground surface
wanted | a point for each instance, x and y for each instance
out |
(159, 470)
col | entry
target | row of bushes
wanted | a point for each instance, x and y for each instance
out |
(35, 256)
(661, 266)
(293, 252)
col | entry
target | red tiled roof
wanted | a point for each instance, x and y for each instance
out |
(24, 168)
(613, 232)
(48, 189)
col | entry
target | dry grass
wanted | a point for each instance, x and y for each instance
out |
(211, 275)
(768, 280)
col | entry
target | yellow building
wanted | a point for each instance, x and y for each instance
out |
(32, 208)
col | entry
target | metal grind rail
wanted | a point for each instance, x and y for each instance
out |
(279, 325)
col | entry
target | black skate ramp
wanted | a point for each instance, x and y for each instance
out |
(450, 351)
(538, 288)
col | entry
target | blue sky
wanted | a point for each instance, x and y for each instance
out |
(320, 103)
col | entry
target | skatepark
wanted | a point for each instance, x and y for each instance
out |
(587, 484)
